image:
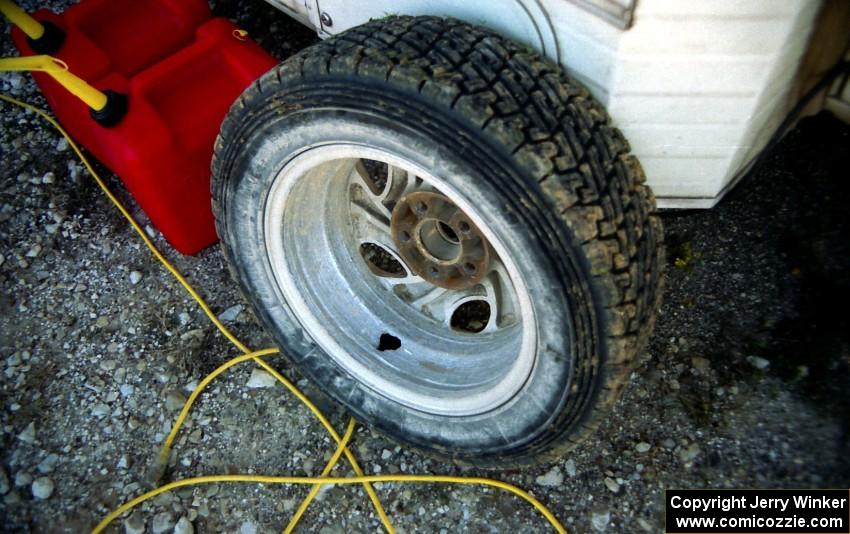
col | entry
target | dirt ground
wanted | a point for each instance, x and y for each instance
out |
(746, 382)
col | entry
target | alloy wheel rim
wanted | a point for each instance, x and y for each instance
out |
(449, 346)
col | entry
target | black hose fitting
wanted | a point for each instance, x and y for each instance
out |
(114, 110)
(51, 40)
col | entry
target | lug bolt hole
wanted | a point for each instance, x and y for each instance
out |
(434, 272)
(404, 236)
(469, 268)
(420, 207)
(464, 227)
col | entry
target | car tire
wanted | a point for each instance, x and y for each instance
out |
(491, 132)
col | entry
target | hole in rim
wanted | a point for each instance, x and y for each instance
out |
(447, 232)
(378, 172)
(388, 342)
(471, 316)
(381, 262)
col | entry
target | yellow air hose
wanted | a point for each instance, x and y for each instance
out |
(256, 356)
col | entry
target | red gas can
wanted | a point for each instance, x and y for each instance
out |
(180, 70)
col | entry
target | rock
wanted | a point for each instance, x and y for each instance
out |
(599, 520)
(174, 400)
(22, 478)
(386, 455)
(48, 464)
(645, 525)
(126, 390)
(62, 145)
(669, 443)
(34, 251)
(108, 365)
(28, 435)
(49, 177)
(700, 364)
(643, 447)
(42, 488)
(135, 524)
(320, 496)
(248, 527)
(184, 526)
(120, 374)
(4, 482)
(100, 410)
(612, 484)
(162, 523)
(553, 477)
(16, 81)
(570, 467)
(758, 363)
(135, 277)
(261, 379)
(230, 314)
(689, 453)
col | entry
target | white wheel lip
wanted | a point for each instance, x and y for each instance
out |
(274, 210)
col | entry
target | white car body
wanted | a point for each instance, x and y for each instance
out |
(697, 86)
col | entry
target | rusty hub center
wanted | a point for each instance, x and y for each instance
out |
(438, 242)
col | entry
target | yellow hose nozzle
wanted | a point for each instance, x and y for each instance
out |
(58, 69)
(20, 18)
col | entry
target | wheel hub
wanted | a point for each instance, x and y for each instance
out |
(438, 242)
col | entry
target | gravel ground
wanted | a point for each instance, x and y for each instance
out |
(745, 383)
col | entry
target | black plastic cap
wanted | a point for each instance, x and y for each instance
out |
(50, 42)
(113, 111)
